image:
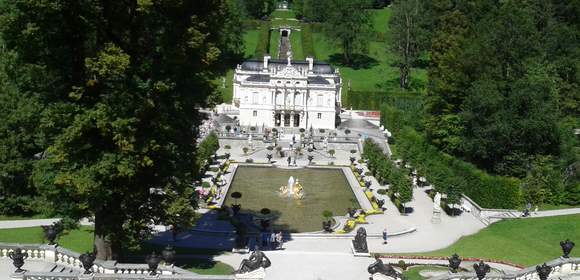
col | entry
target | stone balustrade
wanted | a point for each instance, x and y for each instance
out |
(67, 258)
(560, 268)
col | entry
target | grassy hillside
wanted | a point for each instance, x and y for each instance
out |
(522, 241)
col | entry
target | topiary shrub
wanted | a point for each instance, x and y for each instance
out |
(249, 160)
(382, 191)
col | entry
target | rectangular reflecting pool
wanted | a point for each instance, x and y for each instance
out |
(324, 189)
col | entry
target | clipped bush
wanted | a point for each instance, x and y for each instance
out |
(263, 39)
(382, 191)
(307, 41)
(353, 151)
(322, 130)
(249, 160)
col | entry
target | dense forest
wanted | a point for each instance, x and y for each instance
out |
(503, 88)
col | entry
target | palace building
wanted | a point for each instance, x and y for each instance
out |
(287, 93)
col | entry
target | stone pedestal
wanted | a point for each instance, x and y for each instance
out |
(436, 218)
(49, 252)
(379, 276)
(258, 274)
(241, 250)
(86, 276)
(17, 276)
(358, 254)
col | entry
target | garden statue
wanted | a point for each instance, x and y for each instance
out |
(18, 257)
(385, 269)
(360, 241)
(257, 260)
(567, 247)
(481, 269)
(454, 262)
(87, 260)
(52, 231)
(437, 202)
(543, 271)
(153, 261)
(168, 254)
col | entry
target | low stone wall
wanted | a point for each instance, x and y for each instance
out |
(52, 254)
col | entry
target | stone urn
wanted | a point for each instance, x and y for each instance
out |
(87, 260)
(52, 231)
(168, 254)
(236, 208)
(481, 269)
(567, 247)
(18, 257)
(327, 226)
(153, 261)
(454, 262)
(543, 271)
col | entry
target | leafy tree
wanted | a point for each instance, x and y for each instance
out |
(447, 81)
(117, 83)
(407, 36)
(259, 8)
(349, 23)
(18, 141)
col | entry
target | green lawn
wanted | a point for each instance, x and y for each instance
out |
(522, 241)
(206, 267)
(250, 42)
(381, 19)
(376, 70)
(283, 14)
(296, 42)
(274, 43)
(413, 273)
(79, 240)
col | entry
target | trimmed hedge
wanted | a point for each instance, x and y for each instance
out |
(443, 170)
(263, 45)
(307, 41)
(373, 100)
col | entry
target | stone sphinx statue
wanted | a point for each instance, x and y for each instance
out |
(256, 261)
(360, 241)
(378, 267)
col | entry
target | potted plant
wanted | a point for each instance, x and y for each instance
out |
(245, 150)
(331, 152)
(310, 158)
(269, 157)
(347, 132)
(327, 223)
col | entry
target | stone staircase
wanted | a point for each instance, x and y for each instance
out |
(63, 269)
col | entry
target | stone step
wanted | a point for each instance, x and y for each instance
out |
(61, 269)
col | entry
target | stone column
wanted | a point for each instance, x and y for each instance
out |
(292, 119)
(282, 114)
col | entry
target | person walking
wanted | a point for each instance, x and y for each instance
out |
(273, 240)
(385, 236)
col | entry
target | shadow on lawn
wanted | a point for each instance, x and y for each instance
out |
(358, 61)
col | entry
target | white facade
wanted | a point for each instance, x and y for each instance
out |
(276, 93)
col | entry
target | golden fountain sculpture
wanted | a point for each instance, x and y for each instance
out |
(293, 190)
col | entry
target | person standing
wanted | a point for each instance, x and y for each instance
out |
(279, 240)
(273, 240)
(385, 236)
